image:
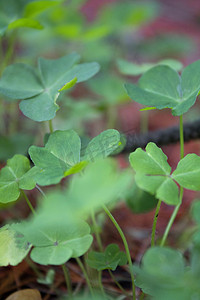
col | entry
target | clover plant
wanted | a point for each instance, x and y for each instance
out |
(64, 222)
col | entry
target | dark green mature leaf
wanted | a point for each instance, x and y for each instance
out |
(61, 155)
(39, 89)
(13, 247)
(162, 87)
(14, 176)
(153, 173)
(109, 259)
(187, 173)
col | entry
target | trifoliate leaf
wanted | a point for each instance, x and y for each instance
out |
(39, 89)
(109, 259)
(14, 176)
(162, 87)
(55, 237)
(153, 173)
(61, 155)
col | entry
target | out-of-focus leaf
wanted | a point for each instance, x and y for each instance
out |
(13, 247)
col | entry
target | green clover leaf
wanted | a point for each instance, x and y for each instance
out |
(55, 238)
(14, 176)
(109, 259)
(162, 87)
(153, 173)
(61, 155)
(13, 247)
(39, 89)
(157, 275)
(187, 173)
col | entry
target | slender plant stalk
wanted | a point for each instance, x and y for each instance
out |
(174, 214)
(125, 246)
(97, 235)
(99, 242)
(154, 223)
(40, 190)
(50, 126)
(67, 280)
(28, 202)
(181, 136)
(85, 275)
(33, 267)
(9, 52)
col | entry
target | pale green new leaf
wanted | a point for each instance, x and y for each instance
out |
(13, 247)
(34, 8)
(153, 173)
(187, 173)
(162, 87)
(14, 176)
(25, 22)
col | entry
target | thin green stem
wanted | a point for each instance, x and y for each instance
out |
(154, 223)
(28, 202)
(181, 133)
(125, 246)
(174, 214)
(85, 275)
(67, 280)
(50, 126)
(100, 283)
(40, 190)
(33, 267)
(9, 51)
(97, 235)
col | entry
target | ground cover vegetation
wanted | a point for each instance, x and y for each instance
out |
(46, 150)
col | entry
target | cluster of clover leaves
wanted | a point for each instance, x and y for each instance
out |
(59, 228)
